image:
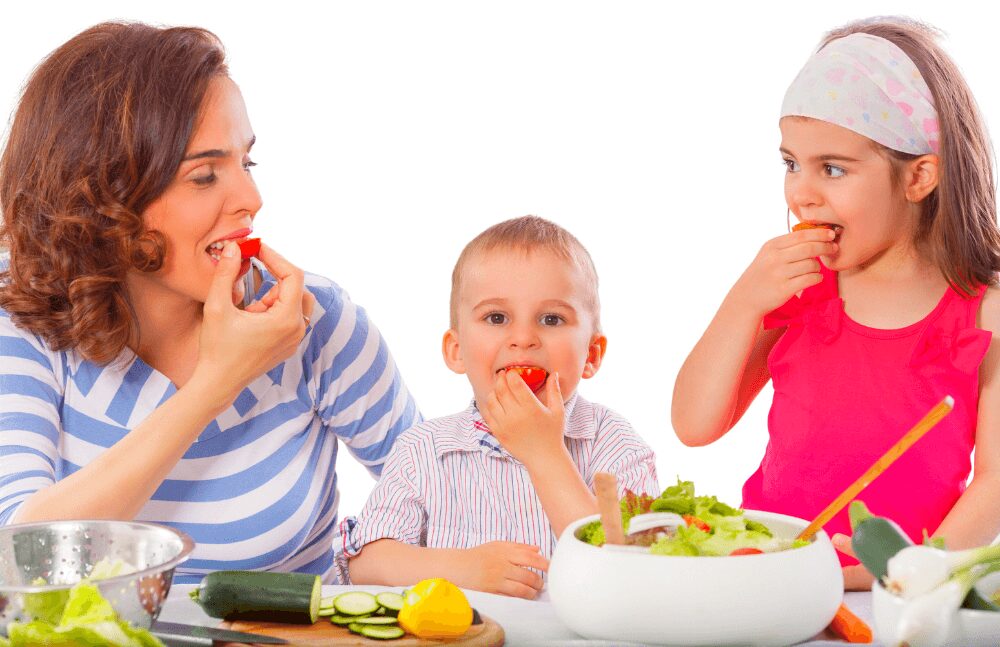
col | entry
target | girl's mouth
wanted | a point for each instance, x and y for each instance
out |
(837, 229)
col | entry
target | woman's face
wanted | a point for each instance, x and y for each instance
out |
(212, 198)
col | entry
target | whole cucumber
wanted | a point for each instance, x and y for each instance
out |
(260, 595)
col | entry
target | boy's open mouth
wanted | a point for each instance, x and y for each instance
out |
(533, 376)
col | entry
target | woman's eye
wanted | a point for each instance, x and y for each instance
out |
(834, 171)
(496, 318)
(551, 320)
(204, 180)
(791, 165)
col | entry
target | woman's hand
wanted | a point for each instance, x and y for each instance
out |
(783, 267)
(237, 346)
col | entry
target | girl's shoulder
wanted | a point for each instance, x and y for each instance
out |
(989, 310)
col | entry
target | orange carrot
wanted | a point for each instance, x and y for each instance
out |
(850, 627)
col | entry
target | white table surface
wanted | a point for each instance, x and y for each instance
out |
(524, 622)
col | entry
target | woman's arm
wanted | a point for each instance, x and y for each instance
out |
(728, 366)
(235, 347)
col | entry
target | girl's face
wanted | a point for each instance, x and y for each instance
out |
(212, 197)
(837, 176)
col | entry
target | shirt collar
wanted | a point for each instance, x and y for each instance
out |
(473, 434)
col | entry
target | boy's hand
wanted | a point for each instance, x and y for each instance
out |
(502, 567)
(783, 267)
(527, 428)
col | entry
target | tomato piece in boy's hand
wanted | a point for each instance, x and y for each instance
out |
(533, 376)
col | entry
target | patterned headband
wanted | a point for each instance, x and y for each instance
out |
(868, 85)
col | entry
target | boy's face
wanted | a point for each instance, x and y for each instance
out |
(518, 308)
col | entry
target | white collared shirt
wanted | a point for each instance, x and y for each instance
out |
(449, 484)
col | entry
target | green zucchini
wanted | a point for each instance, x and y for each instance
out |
(343, 621)
(393, 602)
(376, 632)
(260, 595)
(377, 620)
(875, 540)
(355, 603)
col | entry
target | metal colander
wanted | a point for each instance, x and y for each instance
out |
(64, 552)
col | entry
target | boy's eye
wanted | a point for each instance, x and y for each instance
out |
(496, 318)
(791, 165)
(834, 171)
(551, 320)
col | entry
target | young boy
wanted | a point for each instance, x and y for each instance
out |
(480, 497)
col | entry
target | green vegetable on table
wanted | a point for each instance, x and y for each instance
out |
(86, 619)
(261, 595)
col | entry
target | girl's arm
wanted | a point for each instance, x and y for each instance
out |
(975, 518)
(234, 348)
(728, 366)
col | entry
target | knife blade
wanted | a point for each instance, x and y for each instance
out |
(198, 635)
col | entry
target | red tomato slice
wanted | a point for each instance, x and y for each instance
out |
(249, 247)
(747, 551)
(533, 376)
(692, 520)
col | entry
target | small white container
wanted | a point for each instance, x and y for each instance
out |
(971, 628)
(768, 599)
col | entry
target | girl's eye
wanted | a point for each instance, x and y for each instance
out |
(834, 171)
(791, 165)
(496, 318)
(249, 164)
(551, 320)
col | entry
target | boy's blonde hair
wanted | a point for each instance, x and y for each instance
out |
(527, 234)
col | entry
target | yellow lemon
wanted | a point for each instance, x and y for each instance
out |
(435, 609)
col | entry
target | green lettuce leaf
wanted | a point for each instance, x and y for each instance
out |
(46, 606)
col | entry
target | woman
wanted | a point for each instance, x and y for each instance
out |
(133, 385)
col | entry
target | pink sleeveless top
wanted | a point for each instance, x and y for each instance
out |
(844, 393)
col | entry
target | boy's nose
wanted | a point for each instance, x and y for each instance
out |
(523, 337)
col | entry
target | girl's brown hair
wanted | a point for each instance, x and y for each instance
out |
(958, 223)
(99, 133)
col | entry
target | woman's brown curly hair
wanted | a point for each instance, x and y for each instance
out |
(99, 133)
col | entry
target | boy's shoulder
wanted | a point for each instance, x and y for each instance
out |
(594, 420)
(443, 432)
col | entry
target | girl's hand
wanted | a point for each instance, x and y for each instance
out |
(784, 266)
(857, 577)
(528, 429)
(502, 567)
(237, 346)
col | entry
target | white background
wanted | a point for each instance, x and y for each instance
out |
(391, 133)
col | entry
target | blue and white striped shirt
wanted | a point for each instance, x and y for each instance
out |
(448, 483)
(258, 489)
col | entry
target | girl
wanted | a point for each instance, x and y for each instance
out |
(867, 322)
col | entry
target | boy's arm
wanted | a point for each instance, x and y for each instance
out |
(533, 433)
(495, 567)
(619, 450)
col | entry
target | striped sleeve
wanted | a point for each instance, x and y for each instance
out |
(618, 449)
(30, 397)
(359, 392)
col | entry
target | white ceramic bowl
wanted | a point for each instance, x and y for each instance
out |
(769, 599)
(971, 628)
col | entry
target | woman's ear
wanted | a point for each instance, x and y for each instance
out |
(452, 352)
(922, 177)
(595, 355)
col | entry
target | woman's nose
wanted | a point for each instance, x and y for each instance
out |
(244, 195)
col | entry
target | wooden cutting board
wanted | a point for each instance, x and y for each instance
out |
(324, 632)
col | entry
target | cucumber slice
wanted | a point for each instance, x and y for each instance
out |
(326, 613)
(343, 621)
(327, 603)
(377, 620)
(378, 633)
(391, 601)
(355, 603)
